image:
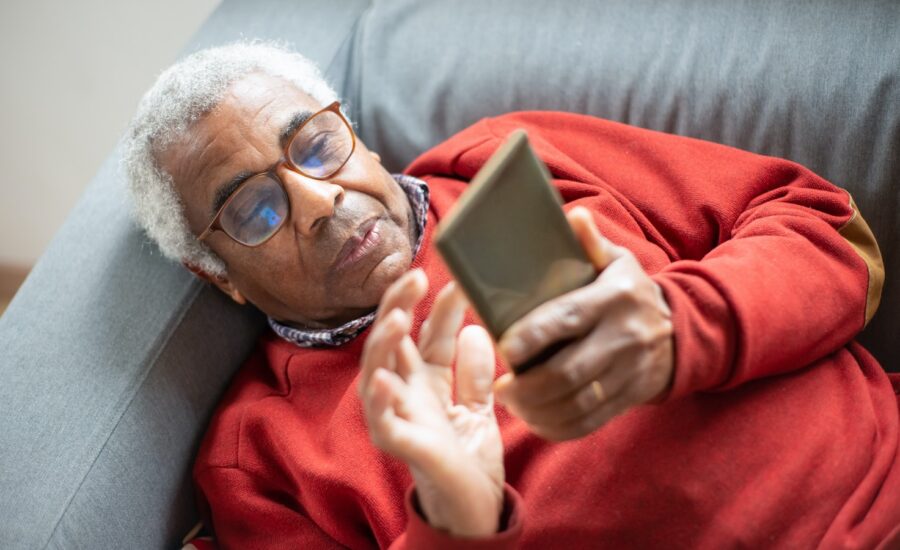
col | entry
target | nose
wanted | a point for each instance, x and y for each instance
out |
(312, 201)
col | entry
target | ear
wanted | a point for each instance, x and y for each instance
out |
(223, 283)
(375, 156)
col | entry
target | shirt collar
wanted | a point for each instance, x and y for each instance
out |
(417, 192)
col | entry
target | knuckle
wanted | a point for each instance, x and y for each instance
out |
(569, 315)
(645, 337)
(625, 291)
(637, 333)
(535, 334)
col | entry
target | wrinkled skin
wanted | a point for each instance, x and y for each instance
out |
(622, 354)
(453, 448)
(454, 451)
(290, 276)
(622, 339)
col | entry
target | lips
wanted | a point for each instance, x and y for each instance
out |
(365, 239)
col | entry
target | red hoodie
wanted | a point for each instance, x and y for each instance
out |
(779, 430)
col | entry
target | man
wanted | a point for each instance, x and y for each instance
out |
(712, 396)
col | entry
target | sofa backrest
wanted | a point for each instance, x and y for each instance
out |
(814, 82)
(112, 358)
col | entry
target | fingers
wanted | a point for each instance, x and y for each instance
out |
(633, 376)
(475, 368)
(599, 250)
(570, 316)
(563, 410)
(380, 346)
(575, 313)
(591, 421)
(389, 427)
(570, 369)
(404, 293)
(437, 339)
(392, 321)
(408, 358)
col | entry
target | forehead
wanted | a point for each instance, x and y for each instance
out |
(259, 98)
(240, 134)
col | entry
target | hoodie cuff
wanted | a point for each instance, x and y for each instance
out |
(420, 534)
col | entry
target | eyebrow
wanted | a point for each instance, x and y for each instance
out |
(225, 190)
(296, 121)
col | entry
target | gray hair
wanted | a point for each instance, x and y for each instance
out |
(183, 93)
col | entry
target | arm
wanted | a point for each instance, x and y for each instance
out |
(449, 439)
(771, 266)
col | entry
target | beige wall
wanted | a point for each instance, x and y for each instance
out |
(72, 73)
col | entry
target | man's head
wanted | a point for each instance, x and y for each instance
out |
(224, 114)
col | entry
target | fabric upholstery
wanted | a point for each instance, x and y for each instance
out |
(815, 82)
(111, 358)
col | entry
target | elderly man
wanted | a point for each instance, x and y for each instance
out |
(712, 395)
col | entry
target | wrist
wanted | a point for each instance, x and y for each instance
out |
(467, 504)
(421, 534)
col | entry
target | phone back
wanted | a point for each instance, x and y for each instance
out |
(507, 240)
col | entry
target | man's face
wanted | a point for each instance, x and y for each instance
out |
(294, 276)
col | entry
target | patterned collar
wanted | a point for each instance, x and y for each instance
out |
(417, 192)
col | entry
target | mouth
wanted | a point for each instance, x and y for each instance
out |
(366, 238)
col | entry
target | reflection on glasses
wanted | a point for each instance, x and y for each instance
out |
(258, 208)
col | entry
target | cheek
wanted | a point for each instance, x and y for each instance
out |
(264, 274)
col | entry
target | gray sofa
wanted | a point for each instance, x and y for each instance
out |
(112, 359)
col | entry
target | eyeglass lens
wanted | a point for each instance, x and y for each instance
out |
(322, 145)
(256, 212)
(259, 208)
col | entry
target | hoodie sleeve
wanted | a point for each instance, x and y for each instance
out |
(770, 266)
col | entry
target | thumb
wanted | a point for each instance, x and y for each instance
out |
(600, 250)
(474, 368)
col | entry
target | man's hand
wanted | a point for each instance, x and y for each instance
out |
(622, 355)
(454, 450)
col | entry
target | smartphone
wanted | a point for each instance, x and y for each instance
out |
(508, 243)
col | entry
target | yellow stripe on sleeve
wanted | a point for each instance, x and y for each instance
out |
(856, 231)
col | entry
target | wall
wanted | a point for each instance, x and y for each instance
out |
(72, 74)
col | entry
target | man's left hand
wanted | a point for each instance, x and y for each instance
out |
(621, 354)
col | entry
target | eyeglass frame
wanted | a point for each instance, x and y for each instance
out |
(215, 224)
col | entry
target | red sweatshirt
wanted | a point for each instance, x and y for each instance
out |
(779, 430)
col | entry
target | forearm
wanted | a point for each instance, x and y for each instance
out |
(786, 289)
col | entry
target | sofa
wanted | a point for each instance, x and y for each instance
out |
(112, 358)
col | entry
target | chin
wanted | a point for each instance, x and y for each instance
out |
(386, 272)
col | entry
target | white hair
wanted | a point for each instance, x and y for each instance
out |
(183, 93)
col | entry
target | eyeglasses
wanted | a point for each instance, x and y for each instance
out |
(257, 209)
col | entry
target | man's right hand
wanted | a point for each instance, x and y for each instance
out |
(454, 450)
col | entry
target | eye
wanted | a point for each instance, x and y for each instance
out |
(321, 154)
(316, 153)
(256, 212)
(261, 216)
